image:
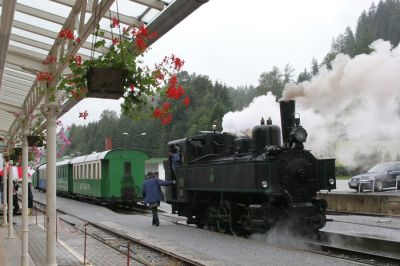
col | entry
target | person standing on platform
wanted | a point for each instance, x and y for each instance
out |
(15, 198)
(30, 198)
(152, 194)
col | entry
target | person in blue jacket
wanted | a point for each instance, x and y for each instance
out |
(152, 194)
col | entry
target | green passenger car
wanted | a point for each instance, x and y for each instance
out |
(64, 177)
(113, 176)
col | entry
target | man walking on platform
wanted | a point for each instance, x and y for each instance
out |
(152, 194)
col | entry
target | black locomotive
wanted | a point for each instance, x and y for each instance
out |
(243, 185)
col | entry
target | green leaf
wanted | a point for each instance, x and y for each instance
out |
(99, 43)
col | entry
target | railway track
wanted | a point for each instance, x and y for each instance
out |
(368, 251)
(365, 250)
(354, 248)
(143, 253)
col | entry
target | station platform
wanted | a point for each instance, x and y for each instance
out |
(347, 200)
(71, 248)
(70, 244)
(10, 248)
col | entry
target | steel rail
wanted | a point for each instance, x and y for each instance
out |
(176, 259)
(370, 251)
(355, 255)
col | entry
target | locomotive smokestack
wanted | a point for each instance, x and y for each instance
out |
(287, 119)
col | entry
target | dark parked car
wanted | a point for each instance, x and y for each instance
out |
(382, 175)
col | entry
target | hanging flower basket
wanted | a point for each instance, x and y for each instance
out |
(36, 141)
(15, 154)
(121, 72)
(105, 82)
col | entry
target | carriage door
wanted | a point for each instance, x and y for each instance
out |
(127, 186)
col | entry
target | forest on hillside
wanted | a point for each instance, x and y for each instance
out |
(211, 100)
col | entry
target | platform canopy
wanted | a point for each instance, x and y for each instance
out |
(29, 33)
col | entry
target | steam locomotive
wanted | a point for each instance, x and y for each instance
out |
(242, 185)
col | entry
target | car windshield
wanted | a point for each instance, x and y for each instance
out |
(380, 168)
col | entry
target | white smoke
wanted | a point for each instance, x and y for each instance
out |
(241, 122)
(353, 108)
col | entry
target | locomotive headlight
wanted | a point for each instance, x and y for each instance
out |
(331, 181)
(299, 134)
(264, 184)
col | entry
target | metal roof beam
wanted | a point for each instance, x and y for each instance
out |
(15, 86)
(17, 69)
(122, 18)
(17, 79)
(156, 4)
(172, 16)
(3, 133)
(43, 32)
(7, 118)
(25, 77)
(31, 28)
(10, 101)
(5, 106)
(31, 11)
(7, 17)
(24, 62)
(9, 92)
(26, 53)
(30, 42)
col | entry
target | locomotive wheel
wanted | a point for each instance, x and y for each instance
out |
(239, 221)
(222, 224)
(271, 215)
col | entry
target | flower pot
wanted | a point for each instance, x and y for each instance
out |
(35, 141)
(107, 83)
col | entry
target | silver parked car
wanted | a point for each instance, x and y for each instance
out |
(382, 175)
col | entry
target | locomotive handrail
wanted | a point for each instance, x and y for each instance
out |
(205, 156)
(235, 156)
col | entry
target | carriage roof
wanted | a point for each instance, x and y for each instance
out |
(91, 157)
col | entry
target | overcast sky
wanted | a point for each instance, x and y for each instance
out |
(234, 41)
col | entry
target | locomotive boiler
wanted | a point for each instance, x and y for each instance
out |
(242, 185)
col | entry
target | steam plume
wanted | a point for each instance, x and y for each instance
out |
(350, 110)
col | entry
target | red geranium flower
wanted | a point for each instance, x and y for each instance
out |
(44, 76)
(141, 44)
(178, 62)
(186, 101)
(115, 41)
(166, 119)
(115, 22)
(166, 106)
(66, 33)
(157, 113)
(49, 59)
